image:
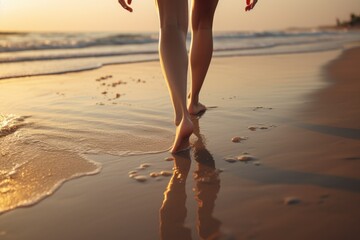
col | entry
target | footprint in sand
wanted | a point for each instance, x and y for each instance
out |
(140, 178)
(168, 159)
(245, 157)
(103, 78)
(115, 84)
(238, 139)
(230, 159)
(166, 173)
(261, 127)
(262, 108)
(138, 80)
(154, 174)
(143, 178)
(292, 200)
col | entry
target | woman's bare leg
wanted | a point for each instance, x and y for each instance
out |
(201, 48)
(173, 17)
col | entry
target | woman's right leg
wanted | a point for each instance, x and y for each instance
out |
(173, 16)
(201, 48)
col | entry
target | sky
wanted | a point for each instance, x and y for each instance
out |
(108, 16)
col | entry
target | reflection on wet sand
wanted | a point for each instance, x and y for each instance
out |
(207, 187)
(173, 210)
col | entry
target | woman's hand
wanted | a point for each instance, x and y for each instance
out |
(126, 4)
(249, 4)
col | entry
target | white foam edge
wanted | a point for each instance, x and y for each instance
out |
(38, 199)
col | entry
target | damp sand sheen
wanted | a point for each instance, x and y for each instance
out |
(49, 132)
(250, 161)
(41, 151)
(28, 171)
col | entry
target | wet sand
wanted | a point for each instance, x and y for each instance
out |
(309, 180)
(295, 115)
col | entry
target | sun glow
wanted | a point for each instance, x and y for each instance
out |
(92, 15)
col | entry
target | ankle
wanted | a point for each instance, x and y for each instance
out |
(186, 120)
(194, 99)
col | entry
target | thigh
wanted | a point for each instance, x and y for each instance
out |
(173, 13)
(202, 13)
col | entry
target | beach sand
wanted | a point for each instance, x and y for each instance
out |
(297, 177)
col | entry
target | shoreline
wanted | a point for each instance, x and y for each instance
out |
(157, 60)
(298, 158)
(337, 104)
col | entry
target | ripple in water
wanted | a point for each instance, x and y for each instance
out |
(39, 153)
(10, 123)
(37, 157)
(30, 172)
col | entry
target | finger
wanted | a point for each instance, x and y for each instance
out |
(250, 6)
(126, 7)
(254, 3)
(122, 3)
(129, 2)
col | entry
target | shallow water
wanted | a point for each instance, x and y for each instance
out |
(86, 116)
(48, 124)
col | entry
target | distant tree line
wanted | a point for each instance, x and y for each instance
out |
(353, 22)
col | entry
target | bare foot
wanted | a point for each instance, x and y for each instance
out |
(195, 109)
(183, 132)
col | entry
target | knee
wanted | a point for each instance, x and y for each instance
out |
(202, 25)
(173, 16)
(173, 26)
(203, 15)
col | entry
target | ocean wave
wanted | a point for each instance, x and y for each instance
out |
(11, 123)
(277, 34)
(65, 55)
(45, 55)
(13, 42)
(53, 53)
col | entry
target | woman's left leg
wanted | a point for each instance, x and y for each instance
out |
(202, 16)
